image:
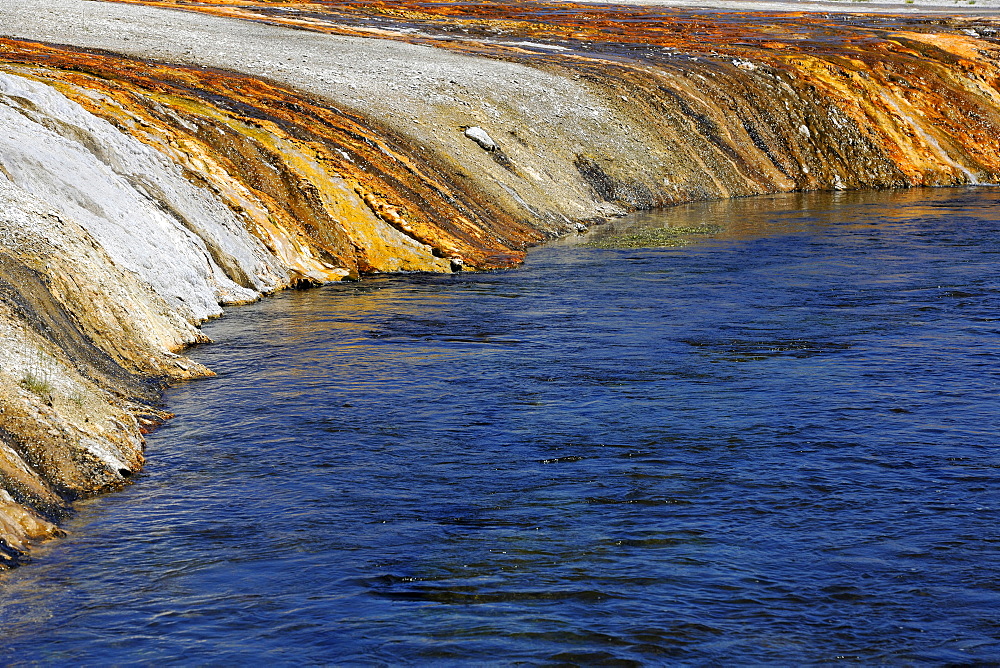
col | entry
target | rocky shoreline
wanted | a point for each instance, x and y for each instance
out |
(157, 165)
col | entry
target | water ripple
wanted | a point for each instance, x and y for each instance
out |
(775, 444)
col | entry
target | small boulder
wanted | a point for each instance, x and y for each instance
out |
(481, 137)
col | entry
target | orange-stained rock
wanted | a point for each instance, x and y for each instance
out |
(291, 166)
(755, 102)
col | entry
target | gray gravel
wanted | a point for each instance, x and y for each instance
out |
(431, 95)
(390, 78)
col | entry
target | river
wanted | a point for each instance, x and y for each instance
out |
(773, 440)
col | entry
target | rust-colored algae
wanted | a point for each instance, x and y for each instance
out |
(903, 100)
(311, 180)
(730, 104)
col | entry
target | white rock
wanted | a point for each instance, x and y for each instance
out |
(481, 137)
(133, 200)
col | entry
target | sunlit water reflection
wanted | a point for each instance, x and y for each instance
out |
(777, 443)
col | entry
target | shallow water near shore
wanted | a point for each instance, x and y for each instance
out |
(774, 441)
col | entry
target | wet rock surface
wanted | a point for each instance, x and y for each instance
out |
(158, 164)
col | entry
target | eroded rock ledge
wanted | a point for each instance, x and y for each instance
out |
(156, 165)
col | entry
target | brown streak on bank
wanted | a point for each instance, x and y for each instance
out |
(321, 172)
(886, 101)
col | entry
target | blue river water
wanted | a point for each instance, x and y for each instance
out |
(778, 443)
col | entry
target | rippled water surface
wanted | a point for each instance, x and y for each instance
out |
(777, 443)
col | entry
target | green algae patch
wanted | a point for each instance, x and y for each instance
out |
(36, 384)
(655, 238)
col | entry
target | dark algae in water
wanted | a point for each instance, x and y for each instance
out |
(775, 445)
(652, 237)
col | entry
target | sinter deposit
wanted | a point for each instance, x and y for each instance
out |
(159, 164)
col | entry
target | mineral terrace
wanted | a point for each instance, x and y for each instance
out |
(162, 159)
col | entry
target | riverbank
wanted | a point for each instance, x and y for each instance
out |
(155, 171)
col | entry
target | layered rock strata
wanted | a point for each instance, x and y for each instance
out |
(156, 165)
